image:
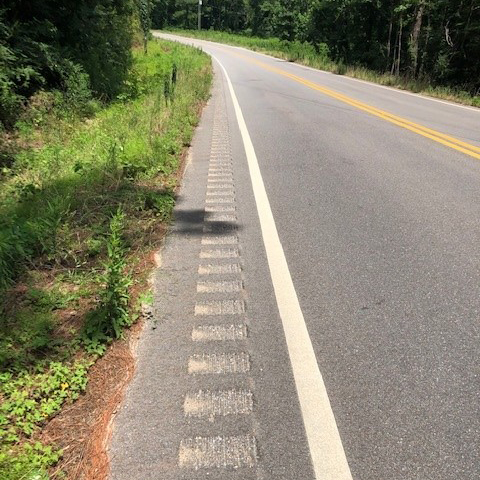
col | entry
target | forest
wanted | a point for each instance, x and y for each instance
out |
(436, 41)
(70, 46)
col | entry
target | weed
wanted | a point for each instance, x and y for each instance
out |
(48, 300)
(341, 68)
(161, 203)
(28, 461)
(31, 398)
(24, 337)
(145, 298)
(28, 401)
(112, 315)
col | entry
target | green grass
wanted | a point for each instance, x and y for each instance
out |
(318, 57)
(82, 201)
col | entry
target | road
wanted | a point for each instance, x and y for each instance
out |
(354, 219)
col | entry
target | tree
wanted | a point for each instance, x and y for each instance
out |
(438, 40)
(48, 44)
(145, 12)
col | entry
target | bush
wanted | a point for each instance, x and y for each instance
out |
(299, 50)
(77, 93)
(10, 100)
(72, 48)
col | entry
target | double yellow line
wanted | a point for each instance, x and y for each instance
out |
(447, 140)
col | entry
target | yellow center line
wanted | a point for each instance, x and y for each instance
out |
(444, 139)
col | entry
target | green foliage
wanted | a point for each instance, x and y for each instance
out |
(433, 43)
(28, 461)
(12, 248)
(299, 50)
(60, 217)
(112, 315)
(161, 203)
(85, 171)
(144, 10)
(103, 38)
(25, 337)
(31, 398)
(146, 298)
(45, 231)
(10, 100)
(68, 46)
(48, 300)
(28, 401)
(27, 333)
(77, 91)
(319, 56)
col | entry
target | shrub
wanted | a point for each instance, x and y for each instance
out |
(77, 93)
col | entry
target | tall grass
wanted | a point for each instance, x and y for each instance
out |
(317, 56)
(84, 169)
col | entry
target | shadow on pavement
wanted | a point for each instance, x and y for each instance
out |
(196, 222)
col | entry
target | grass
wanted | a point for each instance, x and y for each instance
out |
(318, 57)
(83, 203)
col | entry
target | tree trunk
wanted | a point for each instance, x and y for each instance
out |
(399, 51)
(389, 43)
(425, 49)
(466, 30)
(417, 26)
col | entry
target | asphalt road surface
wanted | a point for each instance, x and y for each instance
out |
(318, 306)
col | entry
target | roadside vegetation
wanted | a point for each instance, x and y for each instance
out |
(431, 47)
(87, 186)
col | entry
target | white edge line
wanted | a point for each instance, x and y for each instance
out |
(353, 79)
(328, 456)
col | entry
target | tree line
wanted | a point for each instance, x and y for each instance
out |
(78, 48)
(82, 48)
(437, 41)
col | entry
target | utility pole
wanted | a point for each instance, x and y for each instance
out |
(199, 14)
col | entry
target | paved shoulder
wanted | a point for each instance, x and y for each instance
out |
(213, 395)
